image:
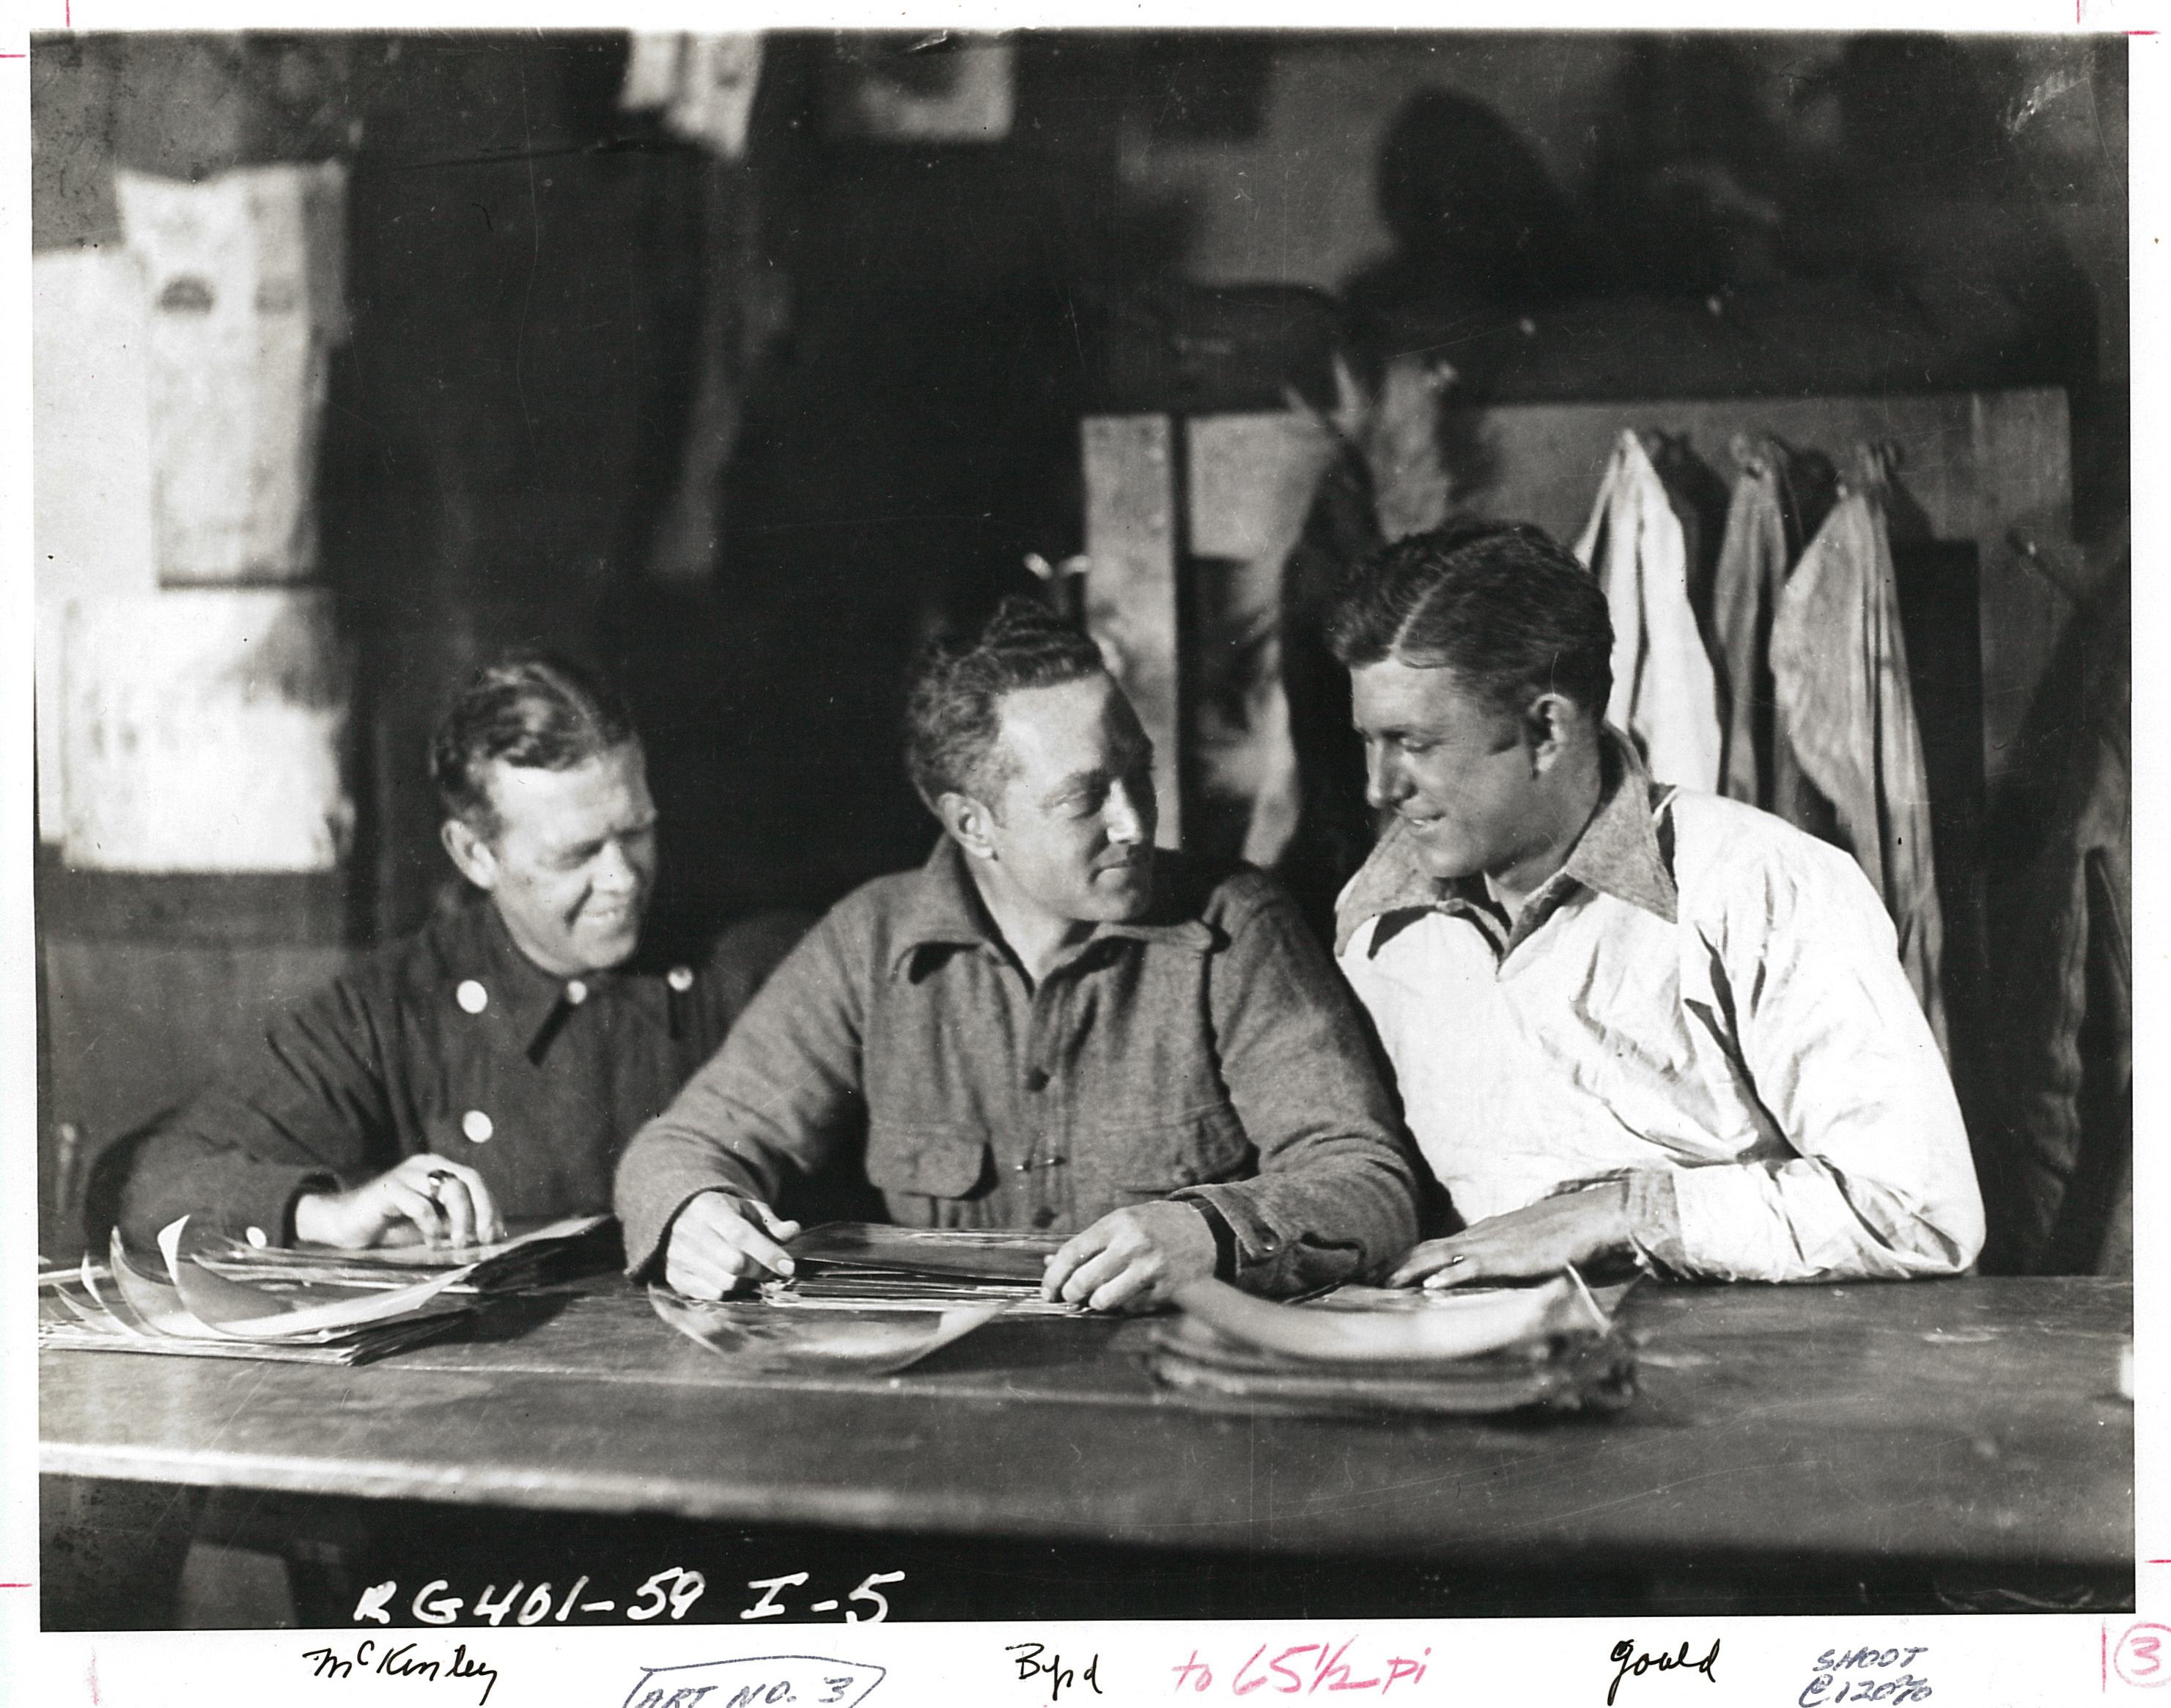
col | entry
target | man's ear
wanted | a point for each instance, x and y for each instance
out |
(471, 853)
(1553, 726)
(967, 822)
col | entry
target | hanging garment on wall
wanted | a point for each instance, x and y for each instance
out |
(1838, 669)
(244, 272)
(703, 83)
(1400, 437)
(1780, 499)
(2059, 1191)
(1664, 692)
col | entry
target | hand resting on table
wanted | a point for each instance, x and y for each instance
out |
(1539, 1240)
(425, 1200)
(719, 1244)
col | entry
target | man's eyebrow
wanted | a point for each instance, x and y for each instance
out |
(1080, 780)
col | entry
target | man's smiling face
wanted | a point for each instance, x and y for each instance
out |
(1458, 771)
(1072, 823)
(571, 859)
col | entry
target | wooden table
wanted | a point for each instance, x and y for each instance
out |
(1952, 1432)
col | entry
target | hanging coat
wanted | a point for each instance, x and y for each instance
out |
(1839, 667)
(1780, 498)
(2060, 1187)
(1664, 692)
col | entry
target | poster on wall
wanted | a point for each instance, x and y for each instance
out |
(939, 88)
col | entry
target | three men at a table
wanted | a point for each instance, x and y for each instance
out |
(1624, 1021)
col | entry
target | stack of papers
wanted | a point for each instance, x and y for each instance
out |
(845, 1265)
(965, 1254)
(1365, 1351)
(547, 1252)
(192, 1311)
(868, 1299)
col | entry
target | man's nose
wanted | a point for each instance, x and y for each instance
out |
(1383, 781)
(1129, 816)
(615, 871)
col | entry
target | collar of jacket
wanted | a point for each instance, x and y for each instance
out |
(945, 911)
(530, 998)
(1618, 854)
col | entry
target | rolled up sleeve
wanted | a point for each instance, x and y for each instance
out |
(774, 1099)
(1335, 1196)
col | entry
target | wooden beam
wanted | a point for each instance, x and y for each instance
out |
(1131, 603)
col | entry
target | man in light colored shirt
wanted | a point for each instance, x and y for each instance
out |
(1628, 1021)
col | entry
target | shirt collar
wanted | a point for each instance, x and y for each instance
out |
(1617, 854)
(528, 997)
(944, 910)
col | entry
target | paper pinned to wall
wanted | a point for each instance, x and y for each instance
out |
(942, 89)
(705, 84)
(90, 438)
(243, 276)
(202, 731)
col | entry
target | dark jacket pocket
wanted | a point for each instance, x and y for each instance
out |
(929, 1162)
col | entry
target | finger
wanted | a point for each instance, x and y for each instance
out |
(489, 1227)
(1475, 1264)
(450, 1192)
(1431, 1258)
(1079, 1249)
(1131, 1289)
(694, 1281)
(780, 1228)
(1097, 1271)
(703, 1264)
(404, 1202)
(761, 1255)
(730, 1238)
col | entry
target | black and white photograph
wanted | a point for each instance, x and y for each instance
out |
(1194, 830)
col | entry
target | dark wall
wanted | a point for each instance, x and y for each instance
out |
(525, 271)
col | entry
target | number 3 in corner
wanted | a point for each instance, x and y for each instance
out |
(2142, 1657)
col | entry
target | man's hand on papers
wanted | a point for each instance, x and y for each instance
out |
(426, 1200)
(1539, 1240)
(1133, 1258)
(719, 1244)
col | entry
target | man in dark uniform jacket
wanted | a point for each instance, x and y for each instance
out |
(490, 1066)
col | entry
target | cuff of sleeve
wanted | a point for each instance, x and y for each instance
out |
(646, 1226)
(307, 1186)
(1265, 1257)
(260, 1208)
(1654, 1223)
(1225, 1239)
